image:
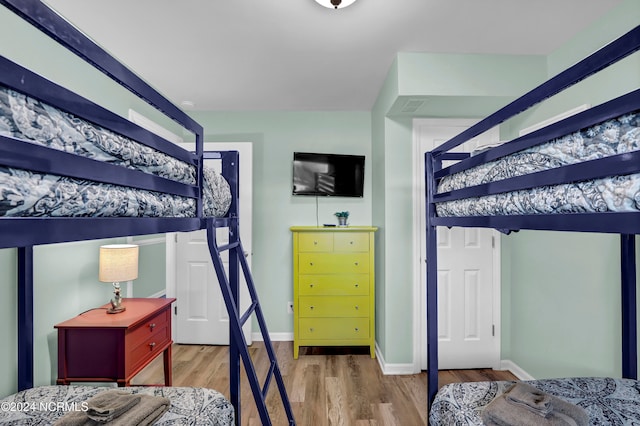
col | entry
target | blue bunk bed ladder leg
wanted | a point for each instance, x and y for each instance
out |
(229, 285)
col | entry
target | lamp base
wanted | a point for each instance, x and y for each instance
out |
(116, 310)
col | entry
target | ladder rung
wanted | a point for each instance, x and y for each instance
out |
(248, 313)
(267, 382)
(228, 246)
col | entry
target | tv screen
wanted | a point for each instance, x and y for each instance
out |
(328, 174)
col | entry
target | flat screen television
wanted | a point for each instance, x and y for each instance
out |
(334, 175)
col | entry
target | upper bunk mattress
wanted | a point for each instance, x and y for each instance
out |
(616, 193)
(25, 193)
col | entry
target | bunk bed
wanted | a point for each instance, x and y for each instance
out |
(579, 174)
(71, 170)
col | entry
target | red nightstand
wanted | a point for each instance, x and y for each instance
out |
(100, 347)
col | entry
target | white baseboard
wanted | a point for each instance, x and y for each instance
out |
(393, 369)
(515, 369)
(275, 337)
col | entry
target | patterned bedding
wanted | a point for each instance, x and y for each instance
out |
(46, 404)
(617, 193)
(26, 193)
(607, 401)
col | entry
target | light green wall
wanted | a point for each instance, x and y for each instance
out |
(453, 75)
(275, 136)
(152, 277)
(385, 100)
(565, 303)
(8, 315)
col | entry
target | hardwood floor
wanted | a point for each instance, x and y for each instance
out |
(326, 386)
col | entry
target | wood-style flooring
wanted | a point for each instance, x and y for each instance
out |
(326, 386)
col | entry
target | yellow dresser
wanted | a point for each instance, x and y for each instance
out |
(333, 287)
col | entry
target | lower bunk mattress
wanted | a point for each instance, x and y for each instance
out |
(606, 401)
(48, 405)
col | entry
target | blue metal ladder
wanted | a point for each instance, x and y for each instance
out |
(230, 284)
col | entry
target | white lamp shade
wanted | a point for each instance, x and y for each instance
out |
(118, 263)
(343, 4)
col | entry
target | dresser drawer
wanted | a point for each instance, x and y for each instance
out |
(354, 284)
(333, 306)
(315, 242)
(333, 263)
(334, 328)
(350, 241)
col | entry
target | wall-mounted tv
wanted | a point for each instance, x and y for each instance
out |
(328, 174)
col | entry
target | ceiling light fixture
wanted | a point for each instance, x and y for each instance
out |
(335, 4)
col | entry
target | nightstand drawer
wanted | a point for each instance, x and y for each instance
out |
(334, 306)
(354, 284)
(350, 241)
(315, 242)
(148, 348)
(337, 263)
(334, 328)
(142, 332)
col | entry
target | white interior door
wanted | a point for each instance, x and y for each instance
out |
(468, 289)
(201, 316)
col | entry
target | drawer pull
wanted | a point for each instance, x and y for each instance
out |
(357, 285)
(315, 243)
(152, 345)
(311, 285)
(357, 307)
(351, 242)
(311, 263)
(357, 329)
(356, 263)
(311, 307)
(311, 329)
(152, 326)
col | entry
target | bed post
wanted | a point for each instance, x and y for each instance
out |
(628, 307)
(231, 172)
(25, 317)
(432, 283)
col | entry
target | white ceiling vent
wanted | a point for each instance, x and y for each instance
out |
(412, 105)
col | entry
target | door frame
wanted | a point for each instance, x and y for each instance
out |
(245, 148)
(419, 300)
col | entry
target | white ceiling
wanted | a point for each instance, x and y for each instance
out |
(242, 55)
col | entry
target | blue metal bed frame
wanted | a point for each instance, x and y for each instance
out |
(625, 224)
(24, 233)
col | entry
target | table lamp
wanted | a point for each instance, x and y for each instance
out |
(118, 262)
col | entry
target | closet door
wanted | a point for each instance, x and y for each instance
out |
(468, 287)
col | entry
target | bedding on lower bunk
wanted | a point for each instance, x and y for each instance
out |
(46, 405)
(606, 401)
(616, 193)
(25, 193)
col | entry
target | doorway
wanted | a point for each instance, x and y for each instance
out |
(200, 315)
